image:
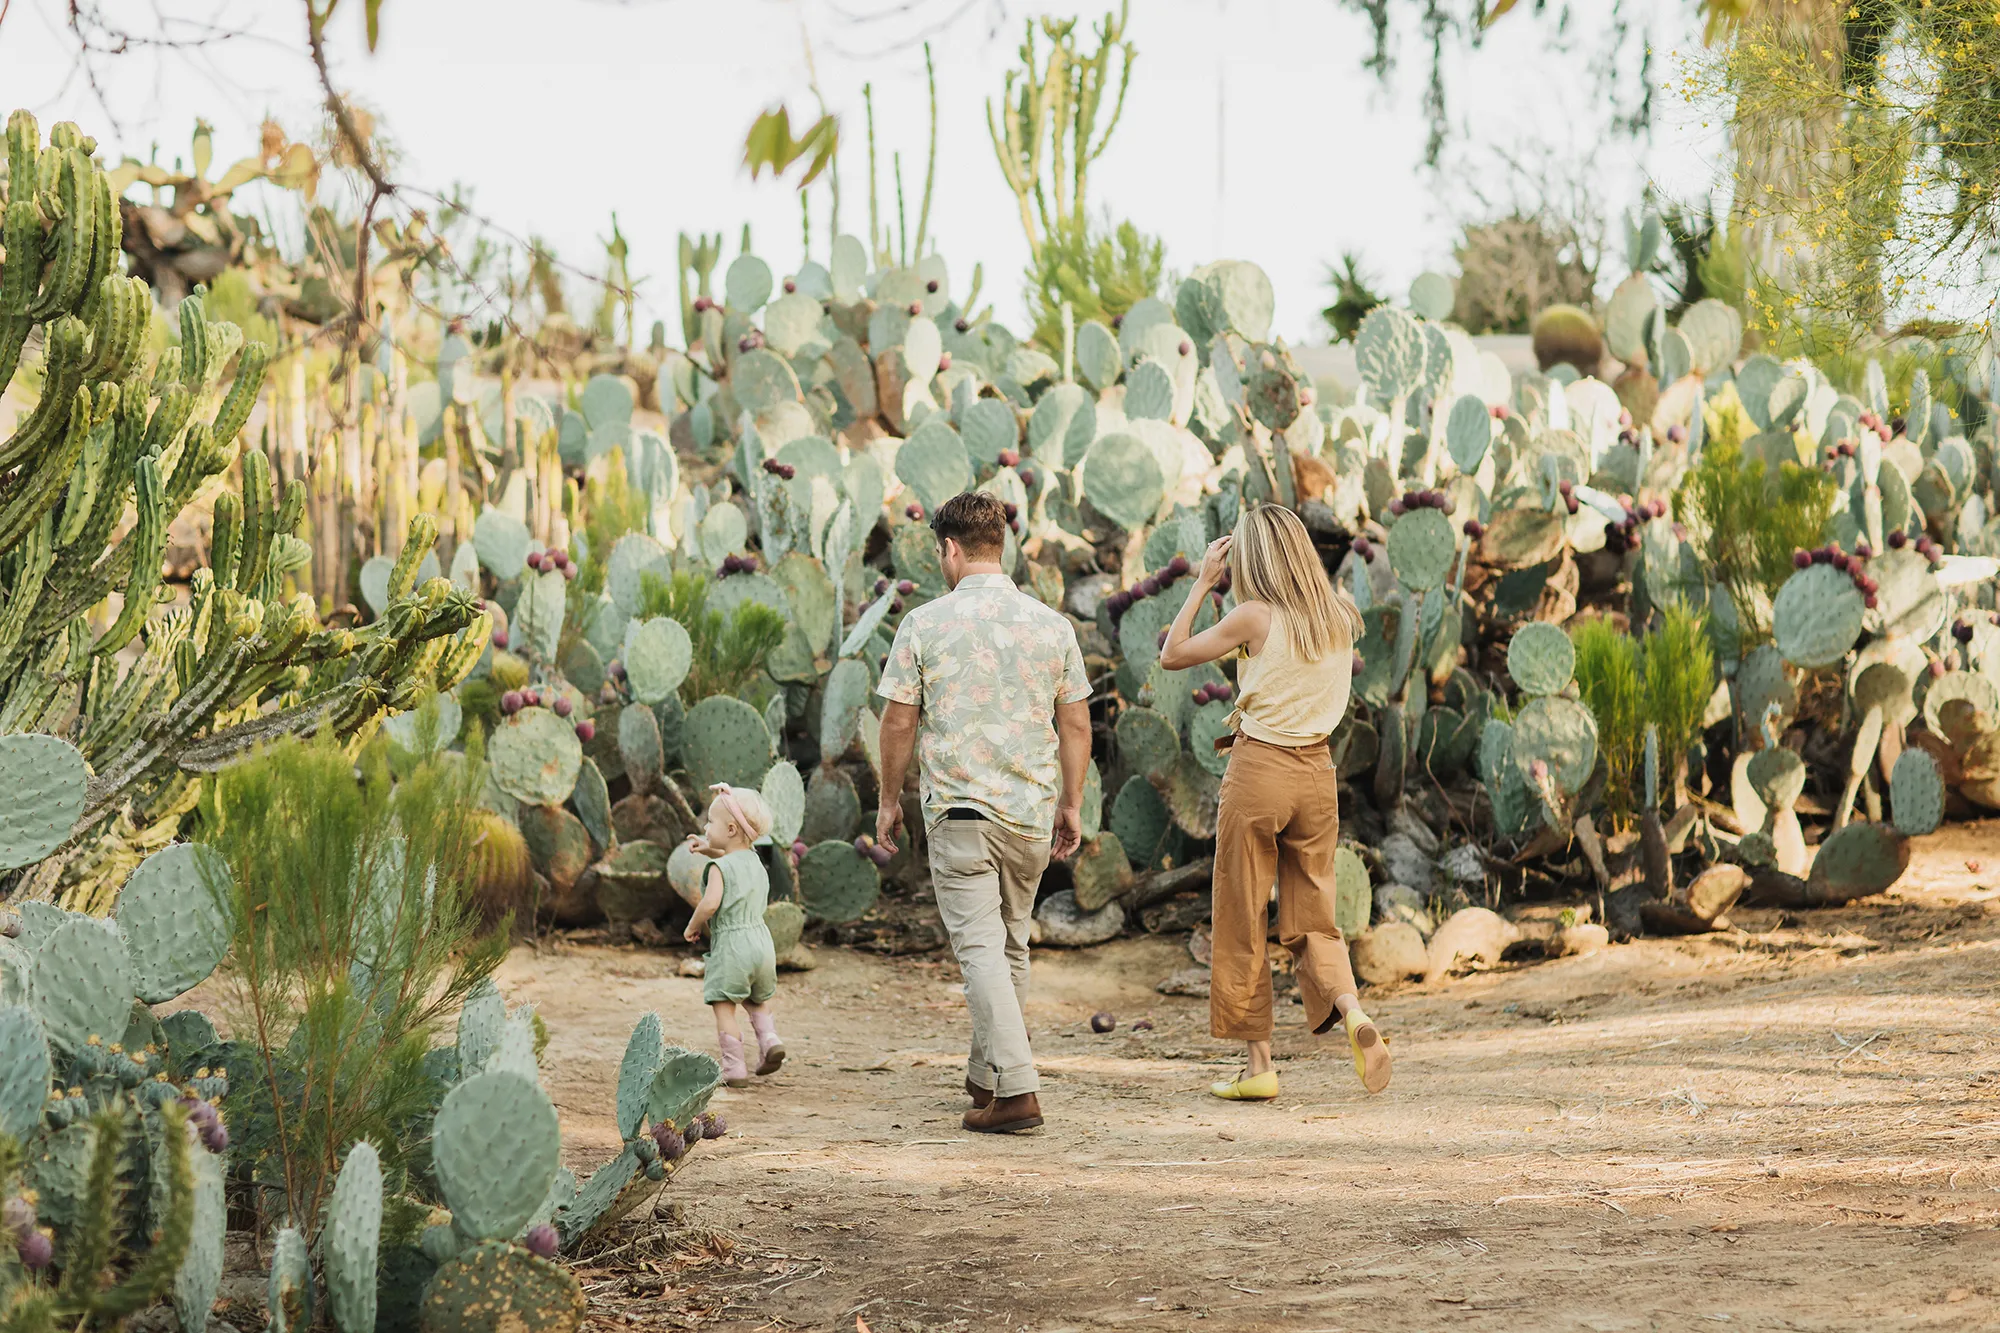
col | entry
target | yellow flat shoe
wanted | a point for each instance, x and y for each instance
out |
(1262, 1088)
(1371, 1051)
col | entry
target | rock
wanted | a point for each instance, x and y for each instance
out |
(1201, 946)
(1405, 862)
(1716, 889)
(692, 967)
(1183, 911)
(1464, 865)
(1474, 935)
(1401, 903)
(1390, 952)
(1067, 926)
(1190, 981)
(1582, 938)
(1623, 908)
(800, 959)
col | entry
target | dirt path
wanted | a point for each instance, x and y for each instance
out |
(1797, 1130)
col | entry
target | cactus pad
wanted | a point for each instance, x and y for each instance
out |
(288, 1294)
(1192, 794)
(1098, 358)
(1206, 725)
(761, 380)
(633, 557)
(934, 464)
(1778, 776)
(1421, 546)
(174, 911)
(837, 883)
(535, 756)
(1146, 741)
(351, 1240)
(1468, 432)
(846, 694)
(1541, 658)
(681, 1087)
(724, 739)
(1352, 899)
(46, 778)
(1122, 478)
(502, 542)
(988, 425)
(82, 984)
(1559, 732)
(1916, 793)
(199, 1280)
(501, 1288)
(24, 1072)
(1976, 690)
(1142, 822)
(832, 807)
(1861, 859)
(1817, 616)
(786, 921)
(495, 1147)
(538, 614)
(645, 1051)
(1101, 872)
(785, 793)
(1389, 353)
(657, 655)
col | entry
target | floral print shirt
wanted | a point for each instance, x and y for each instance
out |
(987, 664)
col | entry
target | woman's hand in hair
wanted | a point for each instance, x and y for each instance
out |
(1215, 562)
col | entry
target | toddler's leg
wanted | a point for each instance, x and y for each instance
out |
(734, 1071)
(770, 1046)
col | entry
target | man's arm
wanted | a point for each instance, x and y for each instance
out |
(899, 742)
(1073, 750)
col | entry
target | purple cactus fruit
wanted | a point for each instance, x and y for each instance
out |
(1867, 583)
(1160, 642)
(535, 561)
(1103, 1022)
(561, 557)
(931, 286)
(1143, 1025)
(1869, 601)
(904, 587)
(895, 606)
(799, 849)
(696, 1130)
(1149, 586)
(1897, 539)
(1676, 434)
(916, 308)
(540, 1239)
(1864, 550)
(1569, 503)
(562, 706)
(1962, 631)
(1360, 664)
(1801, 560)
(1118, 321)
(961, 325)
(1397, 507)
(1185, 347)
(1200, 695)
(1178, 566)
(1224, 691)
(499, 638)
(913, 512)
(1028, 478)
(770, 465)
(569, 572)
(1936, 668)
(1539, 770)
(1364, 548)
(1013, 510)
(673, 1145)
(616, 670)
(862, 844)
(215, 1136)
(1474, 529)
(747, 343)
(36, 1249)
(713, 1125)
(944, 360)
(1118, 602)
(586, 731)
(510, 703)
(17, 1216)
(702, 305)
(1008, 457)
(880, 855)
(790, 286)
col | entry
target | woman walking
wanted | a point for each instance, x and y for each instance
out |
(1293, 634)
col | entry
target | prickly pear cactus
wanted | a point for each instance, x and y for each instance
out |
(1352, 901)
(495, 1287)
(1541, 659)
(837, 882)
(495, 1148)
(535, 757)
(1916, 793)
(351, 1240)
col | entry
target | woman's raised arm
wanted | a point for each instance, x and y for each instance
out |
(1246, 624)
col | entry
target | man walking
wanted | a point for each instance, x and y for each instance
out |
(987, 685)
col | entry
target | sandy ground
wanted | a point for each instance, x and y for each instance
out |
(1794, 1127)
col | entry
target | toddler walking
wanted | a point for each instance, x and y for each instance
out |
(742, 963)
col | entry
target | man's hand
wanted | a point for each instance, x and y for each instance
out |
(888, 824)
(1068, 832)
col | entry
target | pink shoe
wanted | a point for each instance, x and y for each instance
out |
(770, 1046)
(733, 1071)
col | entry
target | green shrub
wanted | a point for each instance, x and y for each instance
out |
(355, 938)
(1678, 668)
(1747, 522)
(729, 652)
(1607, 679)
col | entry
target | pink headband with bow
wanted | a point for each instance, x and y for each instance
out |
(727, 795)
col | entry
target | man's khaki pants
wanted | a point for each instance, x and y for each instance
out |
(1280, 815)
(986, 878)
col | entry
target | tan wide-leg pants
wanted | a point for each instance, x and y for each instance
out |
(1280, 815)
(986, 878)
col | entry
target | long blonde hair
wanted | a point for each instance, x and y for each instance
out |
(1273, 561)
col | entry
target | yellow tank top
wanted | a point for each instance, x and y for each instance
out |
(1283, 699)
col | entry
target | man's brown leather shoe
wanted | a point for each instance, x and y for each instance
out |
(1005, 1115)
(980, 1096)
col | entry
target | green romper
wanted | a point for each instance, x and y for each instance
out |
(742, 961)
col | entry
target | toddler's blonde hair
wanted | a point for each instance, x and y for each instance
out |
(751, 802)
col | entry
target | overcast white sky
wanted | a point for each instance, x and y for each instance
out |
(1252, 130)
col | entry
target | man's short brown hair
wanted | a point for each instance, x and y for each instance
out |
(976, 520)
